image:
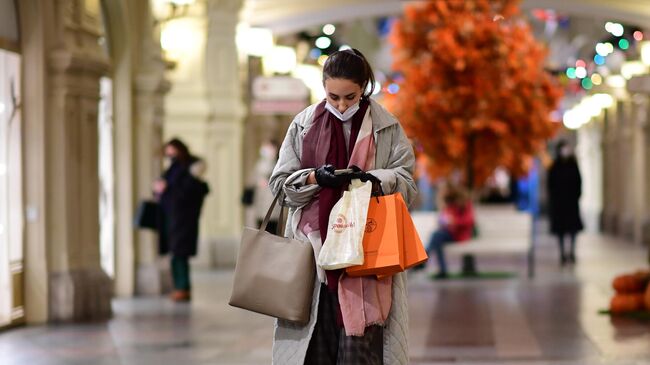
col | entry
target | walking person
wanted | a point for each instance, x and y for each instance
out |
(564, 190)
(354, 320)
(181, 193)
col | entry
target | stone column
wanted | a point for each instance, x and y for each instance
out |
(640, 85)
(151, 87)
(590, 163)
(224, 211)
(638, 173)
(626, 162)
(61, 174)
(610, 171)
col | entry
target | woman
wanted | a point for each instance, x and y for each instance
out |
(181, 193)
(455, 224)
(353, 320)
(564, 190)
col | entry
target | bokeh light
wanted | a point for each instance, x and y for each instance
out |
(599, 60)
(596, 79)
(623, 44)
(329, 29)
(571, 72)
(323, 42)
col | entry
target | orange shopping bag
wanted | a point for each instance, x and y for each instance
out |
(382, 238)
(414, 252)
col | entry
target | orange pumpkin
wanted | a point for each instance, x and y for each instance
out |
(622, 303)
(629, 283)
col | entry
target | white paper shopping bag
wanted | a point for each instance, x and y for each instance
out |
(347, 222)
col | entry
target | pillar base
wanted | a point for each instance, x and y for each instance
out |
(153, 279)
(80, 295)
(225, 252)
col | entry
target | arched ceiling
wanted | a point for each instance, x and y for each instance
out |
(288, 16)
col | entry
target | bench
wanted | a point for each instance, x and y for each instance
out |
(501, 230)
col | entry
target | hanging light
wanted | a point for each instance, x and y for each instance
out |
(280, 59)
(633, 68)
(645, 52)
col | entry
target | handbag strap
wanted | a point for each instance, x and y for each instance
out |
(267, 218)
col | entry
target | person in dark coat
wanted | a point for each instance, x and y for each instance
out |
(181, 193)
(564, 190)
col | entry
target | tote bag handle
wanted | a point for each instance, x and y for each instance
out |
(281, 226)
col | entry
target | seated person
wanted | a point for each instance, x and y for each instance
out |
(455, 223)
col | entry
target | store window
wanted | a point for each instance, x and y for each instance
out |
(11, 221)
(106, 186)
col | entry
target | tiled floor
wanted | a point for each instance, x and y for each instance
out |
(551, 319)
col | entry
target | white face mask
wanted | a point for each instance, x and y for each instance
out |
(349, 112)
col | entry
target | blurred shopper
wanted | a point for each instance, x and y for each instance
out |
(455, 223)
(262, 196)
(564, 190)
(181, 192)
(355, 320)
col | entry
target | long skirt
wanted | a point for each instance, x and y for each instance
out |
(330, 346)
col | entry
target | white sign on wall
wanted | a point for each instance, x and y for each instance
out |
(279, 95)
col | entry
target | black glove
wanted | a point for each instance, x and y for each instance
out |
(325, 177)
(364, 177)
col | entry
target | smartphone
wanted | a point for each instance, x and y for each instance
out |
(343, 172)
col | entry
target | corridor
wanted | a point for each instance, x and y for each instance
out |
(552, 319)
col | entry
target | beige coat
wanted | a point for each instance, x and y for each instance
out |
(394, 164)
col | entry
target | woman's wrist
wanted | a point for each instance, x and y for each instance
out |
(311, 178)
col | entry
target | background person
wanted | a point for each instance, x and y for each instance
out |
(181, 193)
(455, 224)
(564, 190)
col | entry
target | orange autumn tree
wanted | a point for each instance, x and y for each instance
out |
(474, 92)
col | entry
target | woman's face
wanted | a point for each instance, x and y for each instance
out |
(342, 93)
(171, 151)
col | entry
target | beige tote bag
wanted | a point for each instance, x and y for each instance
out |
(274, 274)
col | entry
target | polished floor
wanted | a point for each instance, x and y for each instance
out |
(551, 319)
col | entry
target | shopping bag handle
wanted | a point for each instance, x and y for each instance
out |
(279, 196)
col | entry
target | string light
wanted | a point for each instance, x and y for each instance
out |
(599, 60)
(623, 44)
(581, 72)
(581, 63)
(587, 84)
(638, 35)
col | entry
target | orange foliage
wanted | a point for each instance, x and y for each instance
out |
(470, 76)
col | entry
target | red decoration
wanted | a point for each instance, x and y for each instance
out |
(474, 93)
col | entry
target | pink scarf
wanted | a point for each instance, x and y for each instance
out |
(364, 301)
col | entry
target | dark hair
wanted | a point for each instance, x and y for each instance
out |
(350, 64)
(183, 151)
